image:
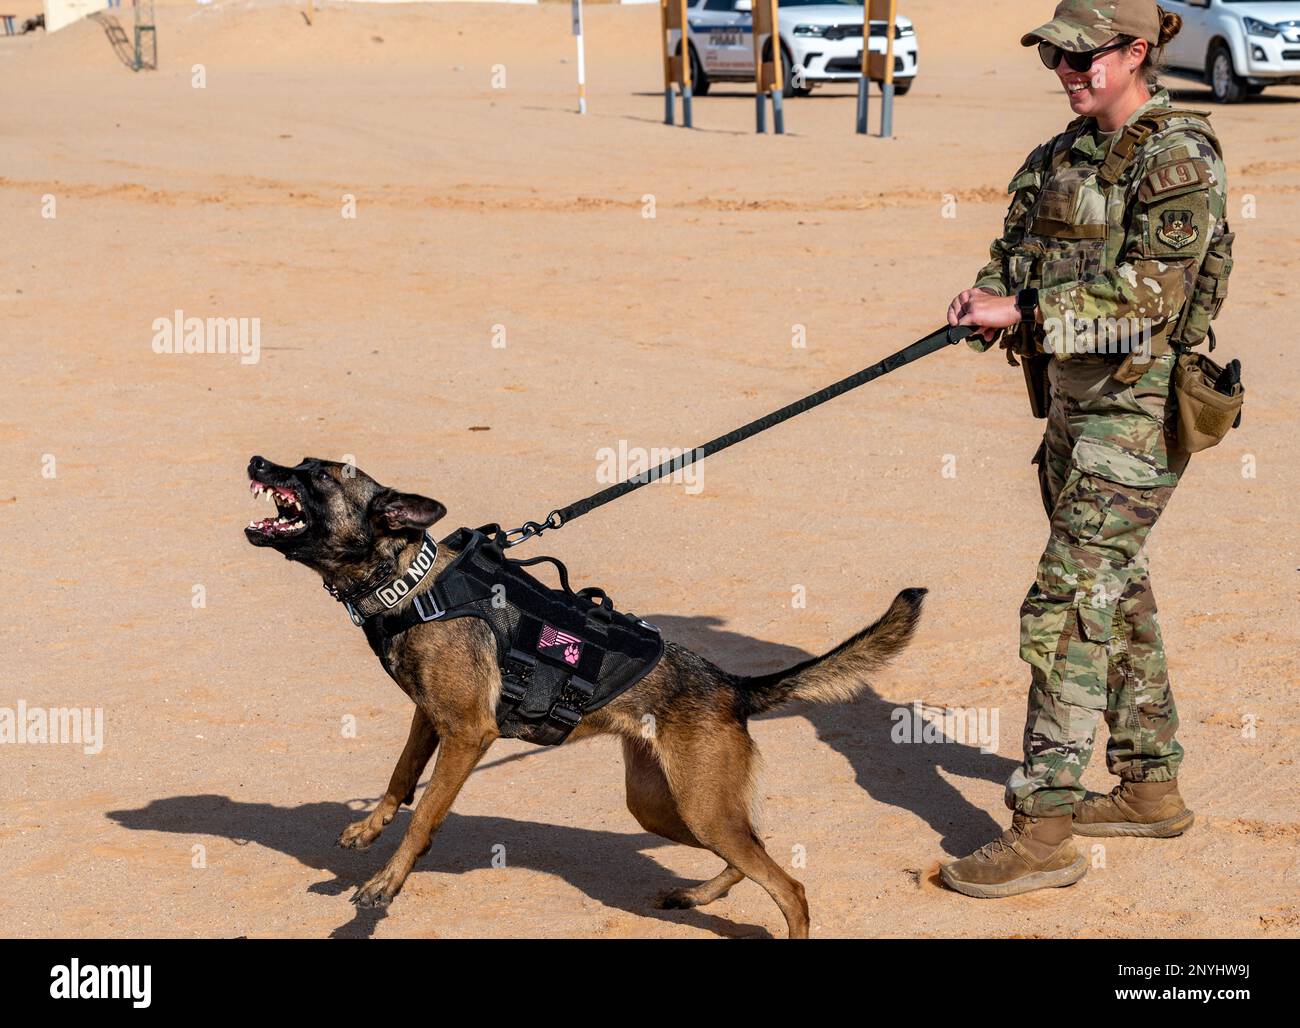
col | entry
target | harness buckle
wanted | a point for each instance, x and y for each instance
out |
(426, 606)
(572, 701)
(516, 675)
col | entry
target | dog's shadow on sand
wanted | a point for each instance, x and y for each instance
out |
(582, 857)
(904, 776)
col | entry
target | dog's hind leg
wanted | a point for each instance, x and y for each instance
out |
(648, 796)
(420, 744)
(698, 895)
(710, 776)
(457, 757)
(651, 803)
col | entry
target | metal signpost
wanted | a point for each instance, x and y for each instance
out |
(677, 58)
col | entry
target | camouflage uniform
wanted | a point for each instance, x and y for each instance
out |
(1108, 463)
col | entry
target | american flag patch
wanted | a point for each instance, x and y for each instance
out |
(560, 645)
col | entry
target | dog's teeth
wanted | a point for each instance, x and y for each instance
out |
(298, 524)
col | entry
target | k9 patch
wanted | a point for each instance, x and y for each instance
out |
(559, 645)
(1175, 177)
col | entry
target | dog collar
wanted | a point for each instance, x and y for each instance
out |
(366, 599)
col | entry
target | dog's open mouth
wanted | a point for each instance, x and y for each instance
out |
(290, 519)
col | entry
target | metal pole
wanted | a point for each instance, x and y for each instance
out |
(864, 98)
(582, 63)
(684, 69)
(778, 113)
(887, 89)
(668, 64)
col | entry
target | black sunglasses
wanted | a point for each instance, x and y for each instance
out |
(1051, 55)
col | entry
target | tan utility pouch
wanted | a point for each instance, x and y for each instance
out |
(1205, 415)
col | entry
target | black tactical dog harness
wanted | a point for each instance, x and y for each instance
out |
(562, 653)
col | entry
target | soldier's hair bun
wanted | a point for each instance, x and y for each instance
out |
(1170, 25)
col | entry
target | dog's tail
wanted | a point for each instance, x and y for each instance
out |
(841, 674)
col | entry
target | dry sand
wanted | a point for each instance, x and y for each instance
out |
(224, 742)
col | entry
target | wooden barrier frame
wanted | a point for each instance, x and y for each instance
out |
(768, 74)
(677, 67)
(878, 67)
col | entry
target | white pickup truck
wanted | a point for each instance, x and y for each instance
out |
(1237, 47)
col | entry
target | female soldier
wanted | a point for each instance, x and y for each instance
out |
(1108, 227)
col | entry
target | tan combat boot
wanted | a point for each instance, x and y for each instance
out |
(1034, 853)
(1153, 810)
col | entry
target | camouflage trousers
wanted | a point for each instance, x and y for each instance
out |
(1088, 625)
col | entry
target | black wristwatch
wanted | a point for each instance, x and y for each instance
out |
(1027, 304)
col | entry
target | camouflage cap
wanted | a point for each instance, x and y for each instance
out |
(1081, 25)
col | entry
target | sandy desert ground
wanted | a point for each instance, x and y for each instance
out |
(226, 772)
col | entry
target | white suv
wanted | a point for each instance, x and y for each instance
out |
(1236, 46)
(821, 41)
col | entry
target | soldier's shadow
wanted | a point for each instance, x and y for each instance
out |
(904, 775)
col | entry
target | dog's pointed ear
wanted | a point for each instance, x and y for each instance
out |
(391, 511)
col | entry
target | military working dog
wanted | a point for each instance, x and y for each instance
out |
(690, 780)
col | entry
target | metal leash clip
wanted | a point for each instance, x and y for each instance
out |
(532, 528)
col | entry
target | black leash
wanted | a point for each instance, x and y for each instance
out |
(945, 336)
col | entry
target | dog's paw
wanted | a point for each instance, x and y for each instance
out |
(360, 834)
(380, 890)
(676, 899)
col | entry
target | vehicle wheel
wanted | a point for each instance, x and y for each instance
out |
(901, 86)
(787, 77)
(1227, 85)
(700, 81)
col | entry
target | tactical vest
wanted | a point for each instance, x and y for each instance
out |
(1080, 220)
(562, 654)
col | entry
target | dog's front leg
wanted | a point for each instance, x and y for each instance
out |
(456, 759)
(420, 744)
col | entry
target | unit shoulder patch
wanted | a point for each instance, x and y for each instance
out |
(1177, 226)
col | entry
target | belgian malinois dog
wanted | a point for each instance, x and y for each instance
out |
(692, 782)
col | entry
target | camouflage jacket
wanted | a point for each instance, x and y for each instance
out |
(1128, 251)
